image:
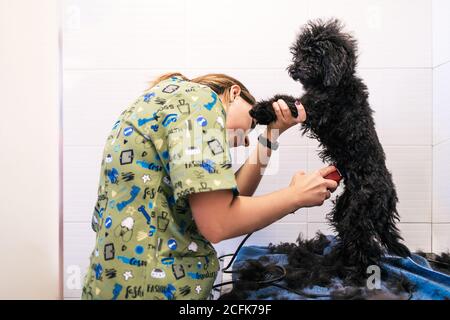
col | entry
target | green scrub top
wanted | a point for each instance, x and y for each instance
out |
(169, 143)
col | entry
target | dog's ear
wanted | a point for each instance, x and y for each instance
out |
(335, 65)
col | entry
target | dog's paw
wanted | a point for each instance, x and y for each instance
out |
(263, 111)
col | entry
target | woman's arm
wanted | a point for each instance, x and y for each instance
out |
(251, 172)
(219, 216)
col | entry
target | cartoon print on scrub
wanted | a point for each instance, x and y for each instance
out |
(170, 142)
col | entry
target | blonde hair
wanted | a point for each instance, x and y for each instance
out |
(218, 82)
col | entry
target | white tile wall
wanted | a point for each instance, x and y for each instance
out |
(125, 34)
(391, 34)
(441, 32)
(417, 236)
(243, 35)
(441, 183)
(441, 237)
(441, 131)
(441, 103)
(181, 34)
(411, 168)
(112, 50)
(93, 99)
(401, 100)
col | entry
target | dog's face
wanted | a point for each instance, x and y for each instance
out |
(323, 55)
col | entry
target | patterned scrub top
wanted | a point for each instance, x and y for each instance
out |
(169, 143)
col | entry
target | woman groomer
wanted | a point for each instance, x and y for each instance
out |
(167, 189)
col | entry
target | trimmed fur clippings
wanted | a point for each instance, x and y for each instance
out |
(308, 266)
(438, 262)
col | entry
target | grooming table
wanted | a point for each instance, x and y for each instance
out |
(429, 284)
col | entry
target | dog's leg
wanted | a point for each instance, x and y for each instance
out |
(351, 218)
(391, 240)
(263, 111)
(387, 230)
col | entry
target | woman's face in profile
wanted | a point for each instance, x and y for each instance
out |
(239, 122)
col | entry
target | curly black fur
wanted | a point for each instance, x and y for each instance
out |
(340, 118)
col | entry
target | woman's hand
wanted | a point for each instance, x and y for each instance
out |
(313, 189)
(285, 120)
(219, 215)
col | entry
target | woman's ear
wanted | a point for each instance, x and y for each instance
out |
(235, 91)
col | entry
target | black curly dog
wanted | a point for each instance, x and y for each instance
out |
(340, 118)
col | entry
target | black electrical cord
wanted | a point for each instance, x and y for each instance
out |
(224, 255)
(234, 255)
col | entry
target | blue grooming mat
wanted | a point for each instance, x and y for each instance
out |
(428, 284)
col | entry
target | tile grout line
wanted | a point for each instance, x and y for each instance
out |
(441, 142)
(440, 64)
